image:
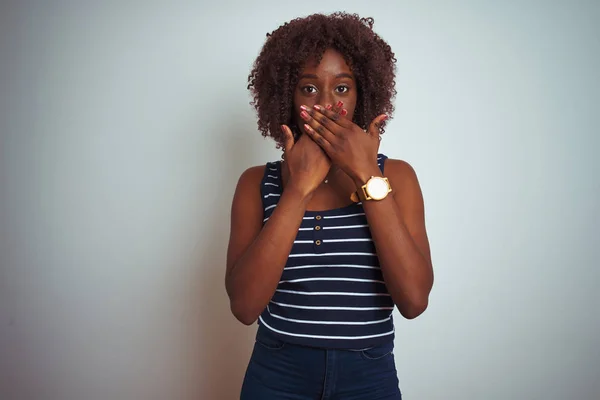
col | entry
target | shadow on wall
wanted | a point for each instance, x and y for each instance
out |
(218, 346)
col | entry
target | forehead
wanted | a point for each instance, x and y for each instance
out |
(332, 63)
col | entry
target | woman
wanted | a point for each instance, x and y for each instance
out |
(326, 242)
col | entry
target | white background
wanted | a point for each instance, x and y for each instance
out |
(126, 125)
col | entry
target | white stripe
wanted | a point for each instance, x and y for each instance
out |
(332, 293)
(331, 279)
(304, 321)
(345, 226)
(333, 254)
(268, 208)
(303, 241)
(325, 337)
(273, 169)
(345, 240)
(266, 219)
(272, 195)
(271, 184)
(333, 266)
(332, 308)
(273, 176)
(306, 229)
(308, 217)
(343, 216)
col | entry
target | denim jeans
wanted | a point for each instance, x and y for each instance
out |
(280, 370)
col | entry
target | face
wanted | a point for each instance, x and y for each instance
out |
(325, 84)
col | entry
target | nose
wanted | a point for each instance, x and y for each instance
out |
(326, 99)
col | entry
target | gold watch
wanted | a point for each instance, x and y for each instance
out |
(376, 188)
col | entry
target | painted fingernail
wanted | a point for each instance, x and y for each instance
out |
(307, 127)
(339, 104)
(283, 128)
(303, 107)
(343, 112)
(329, 107)
(385, 117)
(304, 114)
(317, 107)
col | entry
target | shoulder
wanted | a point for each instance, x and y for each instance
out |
(400, 170)
(403, 178)
(252, 175)
(247, 201)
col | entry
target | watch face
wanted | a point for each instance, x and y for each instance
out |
(377, 188)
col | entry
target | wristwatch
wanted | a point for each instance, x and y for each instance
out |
(376, 188)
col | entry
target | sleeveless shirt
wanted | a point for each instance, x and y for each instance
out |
(331, 293)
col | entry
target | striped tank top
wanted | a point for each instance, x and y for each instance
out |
(331, 293)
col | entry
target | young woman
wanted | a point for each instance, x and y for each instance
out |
(326, 242)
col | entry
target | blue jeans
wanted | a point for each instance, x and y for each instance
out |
(280, 370)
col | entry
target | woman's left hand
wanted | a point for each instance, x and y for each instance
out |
(346, 144)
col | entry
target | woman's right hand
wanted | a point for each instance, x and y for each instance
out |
(306, 162)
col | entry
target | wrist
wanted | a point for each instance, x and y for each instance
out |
(361, 177)
(298, 192)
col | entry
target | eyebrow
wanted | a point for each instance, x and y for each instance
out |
(313, 76)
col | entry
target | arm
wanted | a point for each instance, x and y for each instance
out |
(397, 225)
(257, 255)
(396, 222)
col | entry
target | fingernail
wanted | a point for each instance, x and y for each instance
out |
(384, 118)
(339, 104)
(304, 114)
(329, 107)
(283, 129)
(303, 107)
(307, 127)
(317, 107)
(343, 112)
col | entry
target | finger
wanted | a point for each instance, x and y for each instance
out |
(319, 123)
(337, 118)
(375, 126)
(341, 111)
(318, 139)
(338, 107)
(288, 138)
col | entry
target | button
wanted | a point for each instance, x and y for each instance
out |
(318, 217)
(318, 242)
(317, 228)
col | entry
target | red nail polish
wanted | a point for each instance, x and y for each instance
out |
(339, 104)
(283, 128)
(304, 114)
(329, 107)
(303, 107)
(307, 127)
(317, 107)
(343, 112)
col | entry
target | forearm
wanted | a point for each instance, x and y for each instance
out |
(255, 275)
(406, 271)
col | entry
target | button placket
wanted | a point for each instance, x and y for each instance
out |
(317, 235)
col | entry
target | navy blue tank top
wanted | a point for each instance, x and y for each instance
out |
(331, 293)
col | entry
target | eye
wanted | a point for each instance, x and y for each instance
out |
(309, 89)
(342, 89)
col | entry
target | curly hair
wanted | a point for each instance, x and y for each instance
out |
(274, 75)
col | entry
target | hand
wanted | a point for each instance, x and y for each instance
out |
(346, 144)
(306, 162)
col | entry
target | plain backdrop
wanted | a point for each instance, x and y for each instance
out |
(125, 126)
